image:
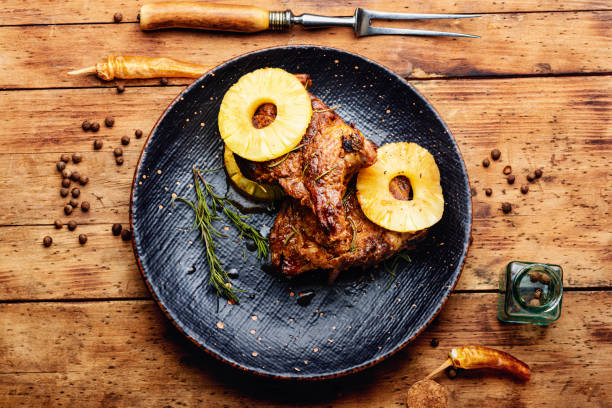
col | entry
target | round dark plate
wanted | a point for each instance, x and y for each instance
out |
(348, 326)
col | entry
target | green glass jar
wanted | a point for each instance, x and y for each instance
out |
(530, 293)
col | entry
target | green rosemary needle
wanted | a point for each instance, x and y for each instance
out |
(325, 173)
(326, 110)
(353, 246)
(286, 155)
(391, 265)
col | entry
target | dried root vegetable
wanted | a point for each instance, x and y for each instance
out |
(473, 357)
(135, 67)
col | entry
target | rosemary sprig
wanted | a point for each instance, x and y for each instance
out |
(326, 110)
(304, 169)
(350, 190)
(391, 265)
(353, 246)
(288, 237)
(325, 173)
(286, 155)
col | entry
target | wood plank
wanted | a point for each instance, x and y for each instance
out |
(512, 44)
(14, 12)
(127, 354)
(564, 219)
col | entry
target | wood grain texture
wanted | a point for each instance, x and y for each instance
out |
(125, 353)
(14, 12)
(573, 42)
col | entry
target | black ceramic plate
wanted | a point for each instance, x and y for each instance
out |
(348, 326)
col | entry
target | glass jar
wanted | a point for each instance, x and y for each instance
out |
(530, 293)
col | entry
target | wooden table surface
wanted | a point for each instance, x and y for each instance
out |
(78, 326)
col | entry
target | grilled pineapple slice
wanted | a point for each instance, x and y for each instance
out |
(266, 85)
(250, 187)
(382, 208)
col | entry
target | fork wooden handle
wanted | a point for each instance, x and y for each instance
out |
(205, 16)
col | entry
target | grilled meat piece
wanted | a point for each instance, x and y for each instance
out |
(317, 172)
(299, 244)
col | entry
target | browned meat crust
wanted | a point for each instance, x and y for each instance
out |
(298, 243)
(316, 173)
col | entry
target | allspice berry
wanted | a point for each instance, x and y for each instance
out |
(86, 125)
(66, 173)
(72, 225)
(47, 241)
(537, 173)
(119, 160)
(64, 192)
(58, 224)
(76, 157)
(120, 88)
(531, 177)
(163, 81)
(488, 192)
(126, 235)
(67, 209)
(118, 151)
(486, 163)
(83, 180)
(511, 178)
(506, 207)
(534, 302)
(117, 17)
(75, 176)
(125, 140)
(65, 158)
(507, 170)
(60, 165)
(451, 372)
(138, 133)
(85, 206)
(95, 127)
(75, 192)
(495, 154)
(82, 239)
(109, 121)
(97, 144)
(66, 182)
(116, 229)
(524, 189)
(73, 203)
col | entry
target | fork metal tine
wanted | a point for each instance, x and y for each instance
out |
(405, 31)
(383, 15)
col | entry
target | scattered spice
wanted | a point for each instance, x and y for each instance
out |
(506, 207)
(77, 157)
(118, 152)
(486, 163)
(73, 203)
(537, 173)
(510, 179)
(163, 81)
(58, 224)
(72, 225)
(97, 144)
(66, 182)
(82, 239)
(60, 165)
(119, 160)
(85, 206)
(47, 241)
(117, 17)
(109, 121)
(138, 133)
(427, 393)
(538, 293)
(95, 126)
(488, 192)
(434, 342)
(75, 192)
(120, 88)
(64, 192)
(126, 235)
(495, 154)
(86, 125)
(83, 180)
(116, 229)
(68, 209)
(507, 170)
(524, 189)
(530, 177)
(125, 140)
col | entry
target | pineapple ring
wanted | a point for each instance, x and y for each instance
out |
(250, 187)
(266, 85)
(382, 208)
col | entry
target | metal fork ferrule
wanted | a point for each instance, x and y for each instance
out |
(279, 20)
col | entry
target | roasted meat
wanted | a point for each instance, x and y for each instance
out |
(299, 244)
(317, 171)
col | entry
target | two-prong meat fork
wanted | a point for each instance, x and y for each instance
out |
(225, 17)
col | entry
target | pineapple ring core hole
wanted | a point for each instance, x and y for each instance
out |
(401, 188)
(264, 115)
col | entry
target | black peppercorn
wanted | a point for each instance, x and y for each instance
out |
(82, 239)
(120, 88)
(116, 229)
(530, 177)
(119, 160)
(75, 176)
(60, 165)
(72, 225)
(95, 127)
(126, 235)
(58, 224)
(86, 125)
(76, 157)
(495, 154)
(66, 182)
(118, 151)
(64, 192)
(537, 173)
(73, 203)
(507, 170)
(125, 140)
(97, 144)
(486, 163)
(138, 133)
(511, 179)
(65, 158)
(109, 121)
(434, 342)
(85, 206)
(75, 192)
(163, 81)
(451, 372)
(67, 209)
(506, 207)
(117, 17)
(488, 192)
(83, 180)
(524, 189)
(47, 241)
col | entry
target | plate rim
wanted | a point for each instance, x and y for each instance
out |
(294, 377)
